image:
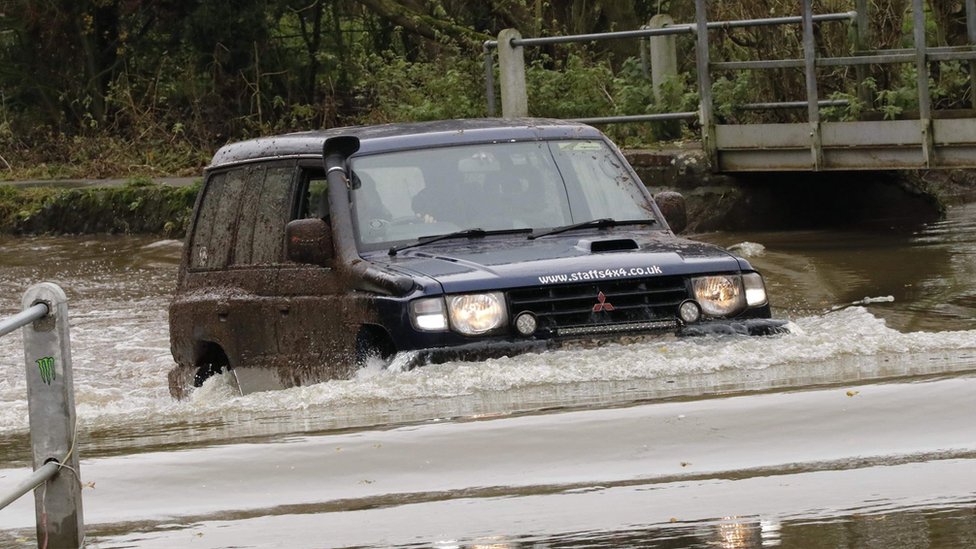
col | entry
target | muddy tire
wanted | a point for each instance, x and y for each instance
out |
(213, 361)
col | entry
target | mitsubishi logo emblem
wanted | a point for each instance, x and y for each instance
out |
(602, 305)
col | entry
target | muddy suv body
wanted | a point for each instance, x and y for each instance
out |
(309, 253)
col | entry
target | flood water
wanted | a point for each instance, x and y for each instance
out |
(855, 430)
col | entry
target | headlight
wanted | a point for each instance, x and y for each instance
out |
(428, 314)
(719, 295)
(476, 313)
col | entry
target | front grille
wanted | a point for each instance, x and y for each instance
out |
(629, 305)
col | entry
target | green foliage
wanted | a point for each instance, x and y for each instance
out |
(632, 94)
(102, 88)
(894, 102)
(137, 207)
(59, 156)
(951, 86)
(401, 90)
(573, 88)
(847, 113)
(677, 95)
(730, 93)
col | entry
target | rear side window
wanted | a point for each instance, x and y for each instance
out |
(265, 210)
(242, 217)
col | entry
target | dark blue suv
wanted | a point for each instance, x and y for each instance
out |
(311, 252)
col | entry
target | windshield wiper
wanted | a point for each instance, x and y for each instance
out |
(466, 233)
(593, 223)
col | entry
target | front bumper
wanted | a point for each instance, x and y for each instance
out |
(484, 350)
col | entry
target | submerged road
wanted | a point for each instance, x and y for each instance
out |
(859, 448)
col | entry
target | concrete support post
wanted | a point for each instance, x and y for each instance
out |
(706, 114)
(511, 66)
(810, 71)
(51, 405)
(664, 55)
(922, 67)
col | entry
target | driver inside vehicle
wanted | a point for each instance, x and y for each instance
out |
(445, 198)
(400, 203)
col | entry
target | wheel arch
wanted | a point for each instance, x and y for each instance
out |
(373, 340)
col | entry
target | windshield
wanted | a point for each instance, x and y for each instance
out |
(406, 195)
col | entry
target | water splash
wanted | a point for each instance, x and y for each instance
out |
(748, 249)
(121, 357)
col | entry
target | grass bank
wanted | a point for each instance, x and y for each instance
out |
(138, 206)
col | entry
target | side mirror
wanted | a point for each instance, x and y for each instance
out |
(672, 205)
(309, 241)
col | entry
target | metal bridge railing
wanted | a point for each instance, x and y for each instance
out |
(921, 143)
(650, 32)
(50, 397)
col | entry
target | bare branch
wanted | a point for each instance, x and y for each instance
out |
(422, 24)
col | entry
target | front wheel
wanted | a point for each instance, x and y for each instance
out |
(213, 360)
(206, 371)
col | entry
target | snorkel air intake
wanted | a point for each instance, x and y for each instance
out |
(336, 151)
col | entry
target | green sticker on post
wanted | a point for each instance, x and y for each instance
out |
(46, 366)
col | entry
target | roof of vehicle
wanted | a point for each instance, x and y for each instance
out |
(389, 137)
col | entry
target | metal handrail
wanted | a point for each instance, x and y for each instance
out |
(675, 29)
(637, 118)
(39, 477)
(949, 53)
(515, 98)
(646, 32)
(23, 318)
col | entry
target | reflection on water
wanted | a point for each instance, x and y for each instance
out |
(948, 527)
(888, 507)
(119, 288)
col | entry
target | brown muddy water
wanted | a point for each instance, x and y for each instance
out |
(856, 430)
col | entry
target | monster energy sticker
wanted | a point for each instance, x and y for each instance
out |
(46, 365)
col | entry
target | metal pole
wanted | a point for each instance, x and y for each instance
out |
(705, 115)
(971, 34)
(810, 70)
(679, 29)
(489, 76)
(637, 118)
(645, 59)
(791, 105)
(36, 479)
(22, 319)
(594, 37)
(861, 37)
(51, 406)
(922, 66)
